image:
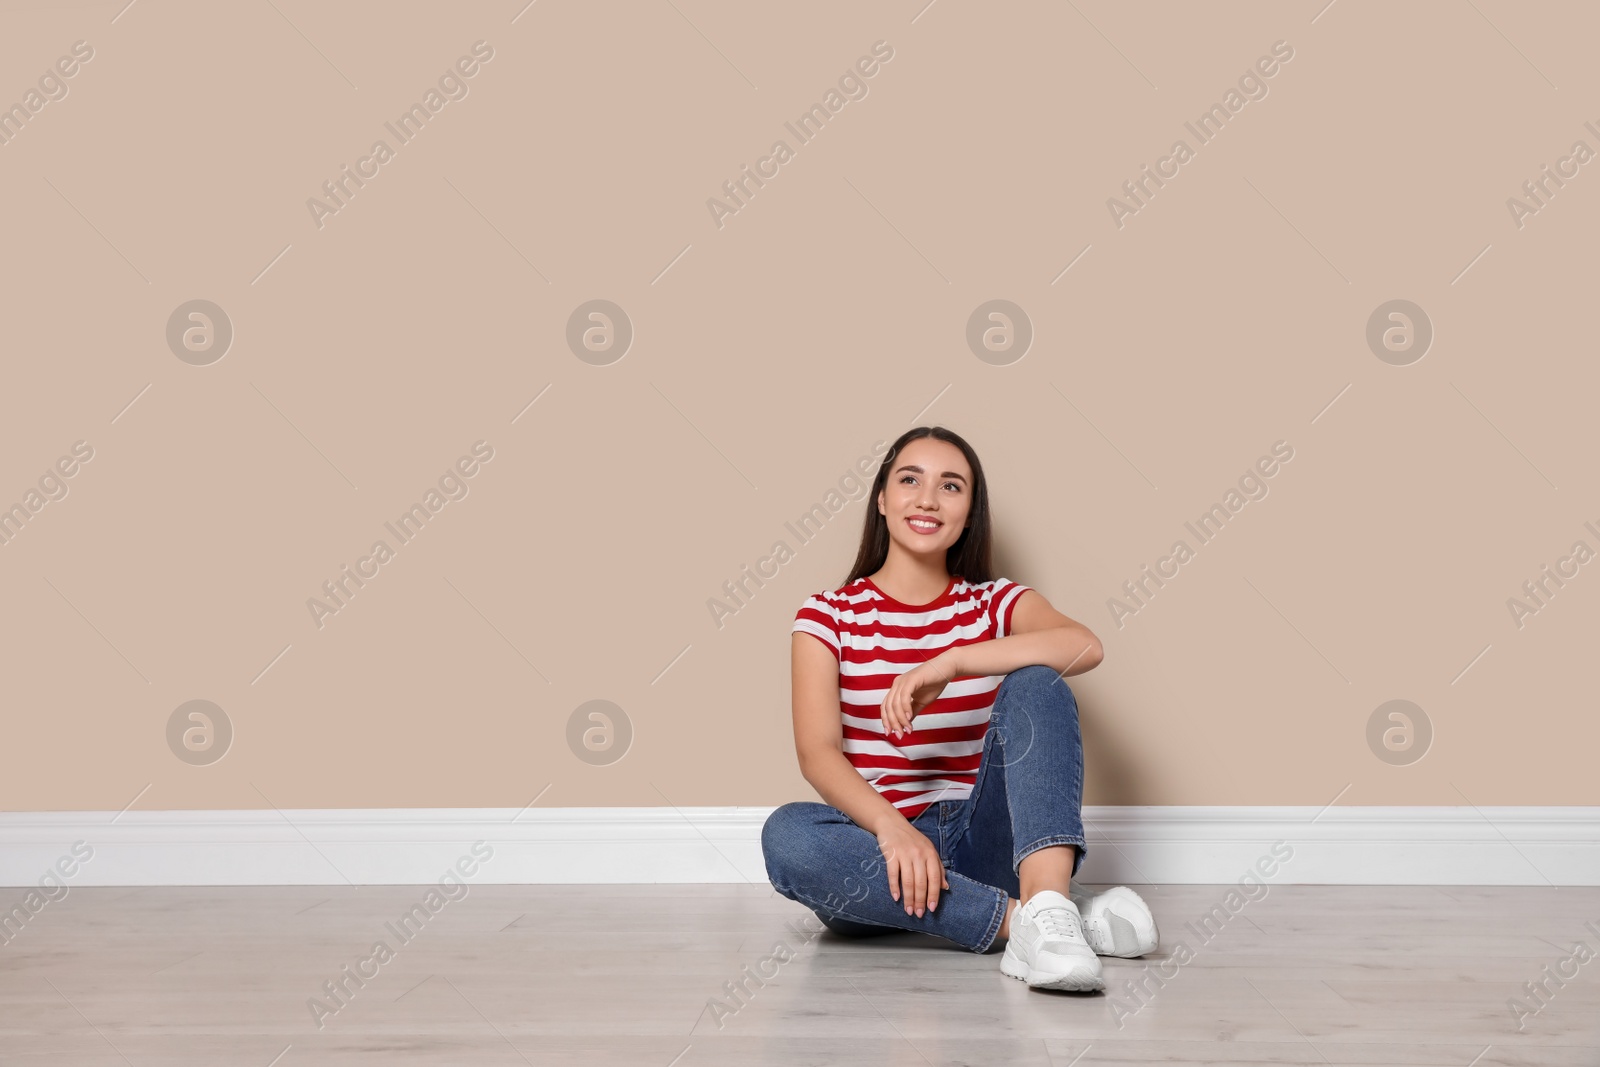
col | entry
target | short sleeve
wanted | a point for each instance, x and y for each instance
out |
(818, 618)
(1003, 595)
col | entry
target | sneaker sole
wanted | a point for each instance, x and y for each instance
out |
(1077, 982)
(1116, 936)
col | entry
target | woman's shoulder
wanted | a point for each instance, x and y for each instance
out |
(838, 597)
(993, 585)
(827, 614)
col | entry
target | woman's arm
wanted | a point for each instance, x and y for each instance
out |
(1039, 634)
(912, 863)
(819, 739)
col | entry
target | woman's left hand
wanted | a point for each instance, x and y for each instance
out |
(915, 690)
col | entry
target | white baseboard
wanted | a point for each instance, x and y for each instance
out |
(1133, 845)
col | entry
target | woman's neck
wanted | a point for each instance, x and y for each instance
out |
(910, 581)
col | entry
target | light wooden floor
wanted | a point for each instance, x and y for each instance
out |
(623, 975)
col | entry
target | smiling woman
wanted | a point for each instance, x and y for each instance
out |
(931, 715)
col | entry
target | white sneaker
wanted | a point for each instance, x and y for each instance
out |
(1117, 922)
(1047, 947)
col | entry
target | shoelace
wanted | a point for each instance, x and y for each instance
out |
(1058, 922)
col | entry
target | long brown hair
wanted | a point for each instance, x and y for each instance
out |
(969, 556)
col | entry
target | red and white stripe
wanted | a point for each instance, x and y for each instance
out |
(876, 640)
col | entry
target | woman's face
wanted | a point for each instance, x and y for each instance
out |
(929, 481)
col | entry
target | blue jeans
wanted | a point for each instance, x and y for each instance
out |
(1028, 795)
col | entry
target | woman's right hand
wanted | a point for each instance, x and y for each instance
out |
(916, 874)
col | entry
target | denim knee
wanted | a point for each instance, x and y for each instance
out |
(1040, 682)
(783, 836)
(1043, 671)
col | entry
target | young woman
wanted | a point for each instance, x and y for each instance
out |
(931, 714)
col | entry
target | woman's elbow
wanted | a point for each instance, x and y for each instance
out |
(811, 760)
(1090, 656)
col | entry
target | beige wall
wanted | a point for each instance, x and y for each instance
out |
(1227, 314)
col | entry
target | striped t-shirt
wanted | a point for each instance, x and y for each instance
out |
(876, 639)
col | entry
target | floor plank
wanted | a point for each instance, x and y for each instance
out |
(1350, 975)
